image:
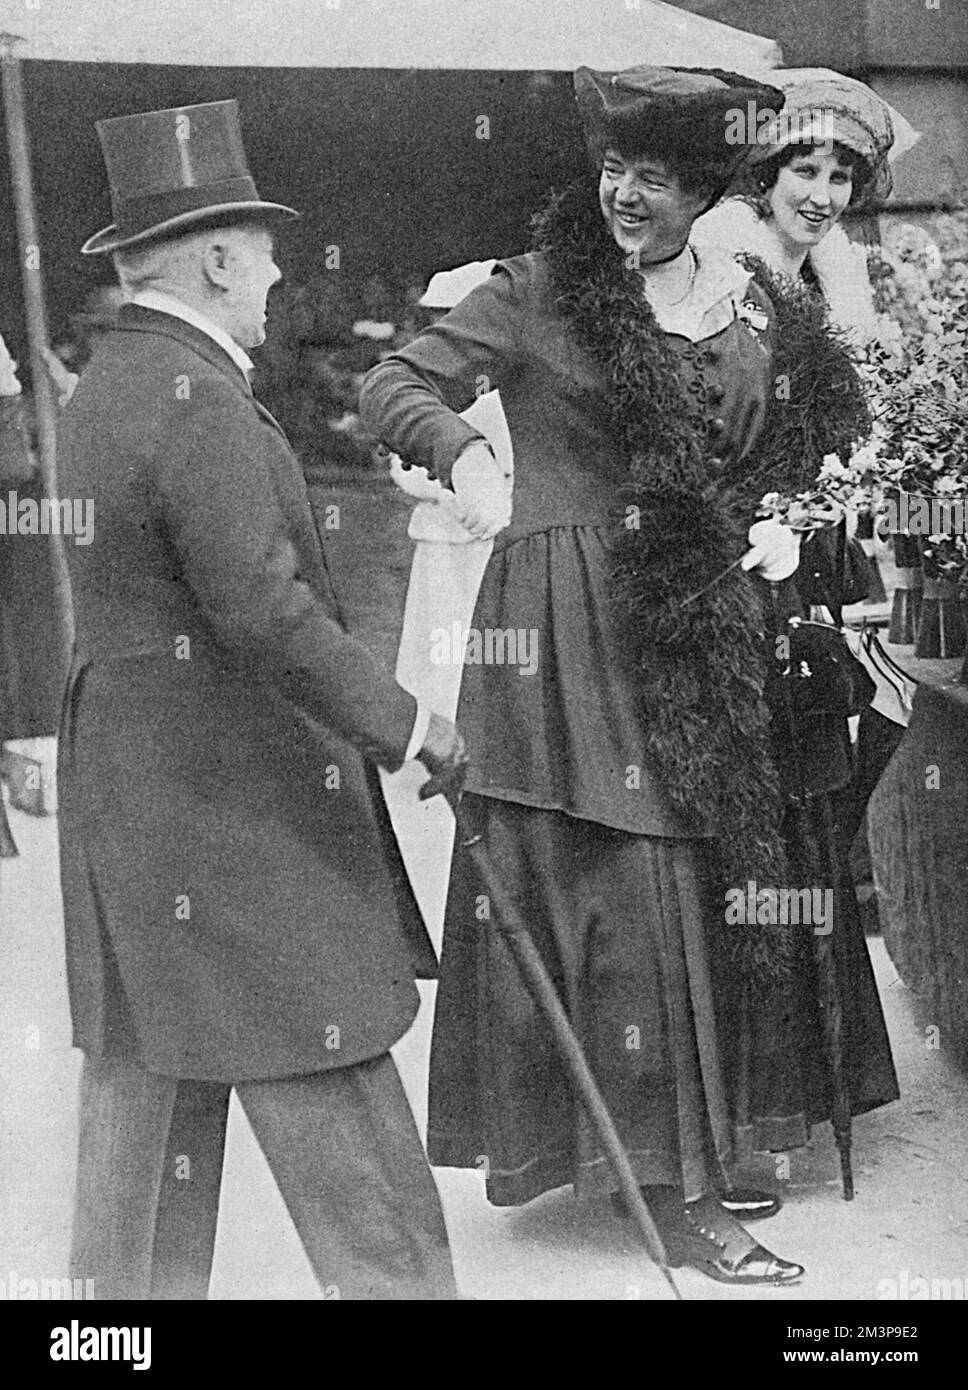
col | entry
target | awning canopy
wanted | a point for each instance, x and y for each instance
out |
(477, 34)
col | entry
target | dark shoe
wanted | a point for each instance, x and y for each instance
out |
(749, 1203)
(708, 1238)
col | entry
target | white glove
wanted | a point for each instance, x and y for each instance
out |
(9, 385)
(776, 550)
(482, 496)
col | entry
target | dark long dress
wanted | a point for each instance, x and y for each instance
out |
(619, 890)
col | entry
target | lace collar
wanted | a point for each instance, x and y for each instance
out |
(715, 300)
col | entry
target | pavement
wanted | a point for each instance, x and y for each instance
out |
(908, 1222)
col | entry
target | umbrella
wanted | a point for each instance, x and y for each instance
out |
(542, 990)
(814, 825)
(830, 954)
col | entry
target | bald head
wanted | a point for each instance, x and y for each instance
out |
(224, 273)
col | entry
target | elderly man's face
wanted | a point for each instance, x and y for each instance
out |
(252, 273)
(645, 207)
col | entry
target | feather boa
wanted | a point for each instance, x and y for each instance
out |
(699, 669)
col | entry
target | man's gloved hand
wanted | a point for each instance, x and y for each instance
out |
(482, 497)
(775, 551)
(444, 755)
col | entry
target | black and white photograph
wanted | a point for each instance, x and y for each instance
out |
(484, 662)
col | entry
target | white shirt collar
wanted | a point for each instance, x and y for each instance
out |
(168, 304)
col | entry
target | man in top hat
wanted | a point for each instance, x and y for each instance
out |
(236, 915)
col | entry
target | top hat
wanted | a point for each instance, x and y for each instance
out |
(686, 111)
(171, 170)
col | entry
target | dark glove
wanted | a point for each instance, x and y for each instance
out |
(444, 755)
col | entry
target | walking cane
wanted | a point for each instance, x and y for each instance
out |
(542, 990)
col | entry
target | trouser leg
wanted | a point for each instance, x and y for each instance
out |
(184, 1240)
(344, 1150)
(125, 1113)
(126, 1174)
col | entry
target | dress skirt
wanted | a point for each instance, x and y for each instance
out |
(620, 893)
(775, 1049)
(620, 922)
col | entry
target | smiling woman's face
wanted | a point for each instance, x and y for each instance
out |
(645, 207)
(810, 194)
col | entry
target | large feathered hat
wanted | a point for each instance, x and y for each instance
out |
(701, 119)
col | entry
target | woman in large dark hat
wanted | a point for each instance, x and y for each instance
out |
(627, 782)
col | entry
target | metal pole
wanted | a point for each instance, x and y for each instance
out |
(45, 408)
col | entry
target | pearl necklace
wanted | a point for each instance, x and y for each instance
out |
(690, 282)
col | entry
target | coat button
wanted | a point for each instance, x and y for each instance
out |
(718, 425)
(717, 393)
(716, 464)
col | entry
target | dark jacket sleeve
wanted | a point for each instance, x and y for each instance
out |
(411, 400)
(215, 493)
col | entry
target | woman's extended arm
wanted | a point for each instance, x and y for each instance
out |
(411, 400)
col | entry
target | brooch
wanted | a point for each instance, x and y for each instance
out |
(757, 320)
